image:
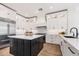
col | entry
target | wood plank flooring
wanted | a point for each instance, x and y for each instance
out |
(48, 50)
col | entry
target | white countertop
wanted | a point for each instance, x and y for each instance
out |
(72, 41)
(25, 37)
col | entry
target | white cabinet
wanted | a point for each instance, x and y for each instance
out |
(55, 39)
(12, 28)
(49, 38)
(71, 51)
(21, 23)
(64, 48)
(68, 50)
(57, 20)
(3, 28)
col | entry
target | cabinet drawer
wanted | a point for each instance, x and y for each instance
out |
(73, 51)
(55, 39)
(51, 37)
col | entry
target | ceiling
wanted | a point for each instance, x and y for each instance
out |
(31, 9)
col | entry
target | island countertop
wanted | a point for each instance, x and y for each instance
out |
(25, 37)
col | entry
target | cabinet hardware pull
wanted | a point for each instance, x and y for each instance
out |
(65, 41)
(71, 50)
(61, 43)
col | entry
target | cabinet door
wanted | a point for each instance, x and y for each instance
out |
(68, 50)
(57, 20)
(41, 41)
(48, 39)
(14, 46)
(3, 28)
(72, 51)
(55, 39)
(12, 28)
(20, 47)
(27, 47)
(59, 40)
(65, 48)
(35, 46)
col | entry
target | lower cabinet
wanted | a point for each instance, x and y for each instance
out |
(55, 39)
(13, 47)
(68, 50)
(36, 46)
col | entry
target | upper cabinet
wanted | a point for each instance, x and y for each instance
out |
(12, 28)
(7, 26)
(21, 22)
(3, 28)
(57, 20)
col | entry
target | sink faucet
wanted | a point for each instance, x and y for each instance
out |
(73, 32)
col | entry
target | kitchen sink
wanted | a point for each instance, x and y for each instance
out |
(69, 37)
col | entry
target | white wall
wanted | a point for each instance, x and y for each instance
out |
(73, 17)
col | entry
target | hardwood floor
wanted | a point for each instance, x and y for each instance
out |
(5, 52)
(48, 50)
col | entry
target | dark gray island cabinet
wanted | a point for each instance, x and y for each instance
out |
(21, 45)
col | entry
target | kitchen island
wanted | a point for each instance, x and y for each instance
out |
(21, 45)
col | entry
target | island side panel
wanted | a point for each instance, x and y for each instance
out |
(27, 47)
(14, 46)
(36, 46)
(20, 47)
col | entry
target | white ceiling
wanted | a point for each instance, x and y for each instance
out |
(31, 9)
